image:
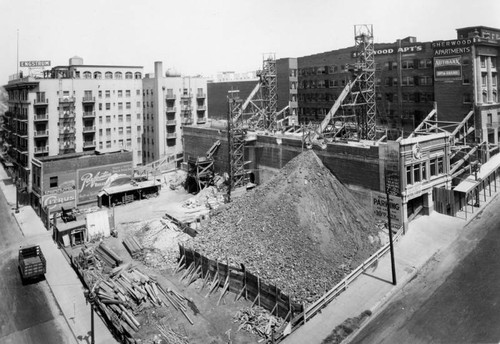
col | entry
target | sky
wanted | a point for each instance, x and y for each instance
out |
(203, 37)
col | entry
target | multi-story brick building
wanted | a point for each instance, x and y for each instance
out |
(403, 82)
(73, 108)
(170, 102)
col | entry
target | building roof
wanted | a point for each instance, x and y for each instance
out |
(129, 187)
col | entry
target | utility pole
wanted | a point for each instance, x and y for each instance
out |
(391, 243)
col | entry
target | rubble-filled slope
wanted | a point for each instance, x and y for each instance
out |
(301, 231)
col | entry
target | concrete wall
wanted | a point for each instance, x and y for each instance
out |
(355, 166)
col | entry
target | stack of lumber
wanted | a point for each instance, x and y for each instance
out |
(258, 321)
(107, 255)
(128, 291)
(133, 246)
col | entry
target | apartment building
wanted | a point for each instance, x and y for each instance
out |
(170, 102)
(72, 109)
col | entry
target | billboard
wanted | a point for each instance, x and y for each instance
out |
(379, 209)
(93, 179)
(448, 68)
(452, 47)
(34, 64)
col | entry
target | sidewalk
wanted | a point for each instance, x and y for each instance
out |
(61, 278)
(426, 236)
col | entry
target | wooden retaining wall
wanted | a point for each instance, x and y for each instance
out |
(242, 283)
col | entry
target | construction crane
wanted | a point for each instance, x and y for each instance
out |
(353, 115)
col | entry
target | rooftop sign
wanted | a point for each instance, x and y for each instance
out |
(34, 64)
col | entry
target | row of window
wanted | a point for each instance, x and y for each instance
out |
(110, 75)
(128, 105)
(422, 171)
(417, 97)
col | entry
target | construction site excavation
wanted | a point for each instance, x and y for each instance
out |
(200, 270)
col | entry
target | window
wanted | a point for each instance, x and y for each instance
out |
(407, 64)
(100, 94)
(108, 119)
(108, 75)
(129, 130)
(440, 165)
(395, 81)
(489, 118)
(53, 182)
(97, 75)
(138, 129)
(483, 79)
(127, 105)
(128, 75)
(120, 118)
(425, 80)
(120, 130)
(108, 144)
(129, 118)
(137, 92)
(108, 106)
(118, 75)
(107, 93)
(138, 104)
(494, 79)
(408, 81)
(416, 173)
(127, 93)
(483, 61)
(138, 75)
(108, 131)
(424, 63)
(100, 132)
(87, 75)
(120, 106)
(408, 175)
(467, 98)
(120, 93)
(139, 116)
(100, 106)
(466, 79)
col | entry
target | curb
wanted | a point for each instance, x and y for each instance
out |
(380, 305)
(18, 224)
(61, 312)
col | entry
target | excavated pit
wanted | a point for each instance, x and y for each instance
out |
(302, 231)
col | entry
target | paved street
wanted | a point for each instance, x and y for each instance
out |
(455, 299)
(29, 313)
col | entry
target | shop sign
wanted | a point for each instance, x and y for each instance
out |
(64, 199)
(448, 68)
(379, 209)
(94, 179)
(392, 180)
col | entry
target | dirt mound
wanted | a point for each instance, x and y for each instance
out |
(301, 231)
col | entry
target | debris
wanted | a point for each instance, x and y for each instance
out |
(294, 235)
(258, 321)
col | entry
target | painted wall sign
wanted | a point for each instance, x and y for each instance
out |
(388, 51)
(448, 68)
(379, 209)
(64, 199)
(452, 47)
(34, 64)
(94, 179)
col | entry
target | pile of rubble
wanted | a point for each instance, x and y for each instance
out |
(258, 321)
(302, 231)
(210, 197)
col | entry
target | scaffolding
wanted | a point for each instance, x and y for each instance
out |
(236, 140)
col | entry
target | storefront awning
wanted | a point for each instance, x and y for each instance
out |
(487, 169)
(113, 190)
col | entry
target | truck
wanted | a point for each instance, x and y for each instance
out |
(32, 264)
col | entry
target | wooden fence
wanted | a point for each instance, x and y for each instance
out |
(239, 281)
(330, 295)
